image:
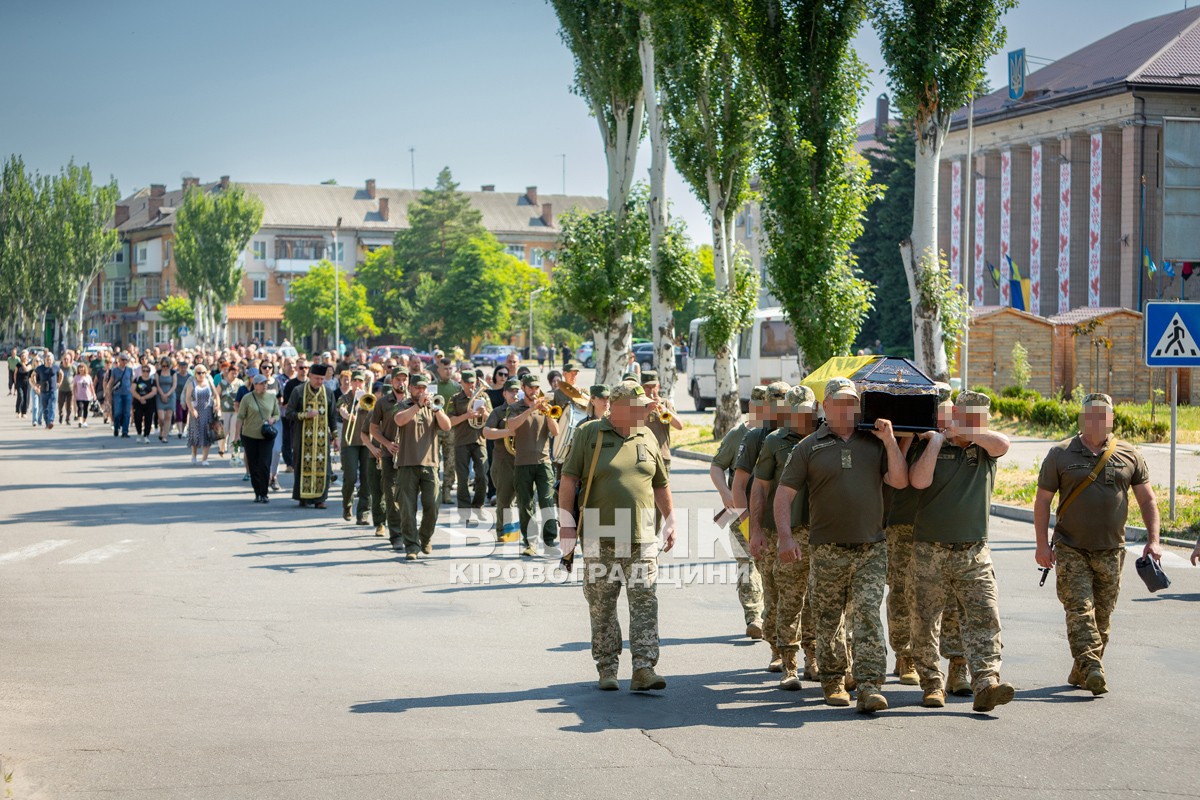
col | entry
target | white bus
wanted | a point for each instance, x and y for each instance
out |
(766, 352)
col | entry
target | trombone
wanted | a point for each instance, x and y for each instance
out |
(366, 404)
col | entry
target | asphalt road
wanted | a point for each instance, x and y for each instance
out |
(163, 637)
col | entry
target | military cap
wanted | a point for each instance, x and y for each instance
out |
(972, 399)
(599, 390)
(529, 379)
(801, 398)
(777, 390)
(649, 378)
(420, 379)
(944, 391)
(468, 377)
(758, 394)
(570, 366)
(1098, 400)
(840, 387)
(512, 385)
(358, 376)
(398, 371)
(629, 391)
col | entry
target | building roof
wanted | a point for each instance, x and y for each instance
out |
(255, 313)
(319, 207)
(984, 312)
(1077, 315)
(1162, 52)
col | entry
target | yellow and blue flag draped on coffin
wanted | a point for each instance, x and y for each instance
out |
(838, 367)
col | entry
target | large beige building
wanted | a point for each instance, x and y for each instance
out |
(297, 232)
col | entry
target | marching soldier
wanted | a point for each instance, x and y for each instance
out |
(570, 373)
(503, 463)
(785, 585)
(447, 387)
(419, 422)
(531, 431)
(598, 401)
(955, 472)
(358, 454)
(658, 408)
(468, 410)
(384, 434)
(743, 475)
(844, 470)
(1092, 474)
(749, 581)
(622, 482)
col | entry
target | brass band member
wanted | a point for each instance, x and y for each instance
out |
(532, 429)
(598, 401)
(503, 459)
(419, 421)
(468, 411)
(384, 435)
(658, 409)
(310, 408)
(445, 385)
(358, 454)
(570, 374)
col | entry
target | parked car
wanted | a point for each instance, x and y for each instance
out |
(283, 351)
(96, 349)
(586, 356)
(492, 355)
(644, 352)
(384, 352)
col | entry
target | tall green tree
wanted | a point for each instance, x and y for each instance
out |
(311, 308)
(603, 37)
(176, 311)
(212, 229)
(89, 242)
(714, 115)
(935, 51)
(888, 221)
(815, 186)
(18, 233)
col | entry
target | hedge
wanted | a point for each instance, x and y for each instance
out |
(1026, 405)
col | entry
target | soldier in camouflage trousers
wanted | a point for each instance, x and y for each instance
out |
(955, 471)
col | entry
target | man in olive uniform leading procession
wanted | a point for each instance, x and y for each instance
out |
(622, 482)
(384, 434)
(1092, 473)
(955, 472)
(468, 409)
(358, 454)
(417, 475)
(310, 410)
(787, 625)
(844, 470)
(720, 471)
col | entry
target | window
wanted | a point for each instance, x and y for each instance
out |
(537, 256)
(258, 330)
(143, 254)
(306, 249)
(152, 289)
(119, 258)
(260, 288)
(287, 291)
(168, 248)
(744, 340)
(162, 333)
(700, 346)
(517, 250)
(120, 292)
(778, 339)
(337, 252)
(260, 251)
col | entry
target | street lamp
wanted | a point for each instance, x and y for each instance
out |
(532, 295)
(337, 279)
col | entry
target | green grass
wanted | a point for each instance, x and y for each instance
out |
(1017, 487)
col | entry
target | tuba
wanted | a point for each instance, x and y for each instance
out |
(510, 442)
(477, 401)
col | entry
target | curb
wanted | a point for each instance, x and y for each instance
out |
(679, 452)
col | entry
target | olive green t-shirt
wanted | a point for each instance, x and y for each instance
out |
(748, 450)
(384, 416)
(532, 438)
(463, 432)
(772, 458)
(845, 485)
(418, 439)
(957, 505)
(727, 452)
(500, 455)
(900, 505)
(348, 402)
(1095, 520)
(628, 471)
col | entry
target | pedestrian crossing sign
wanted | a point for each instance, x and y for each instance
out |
(1172, 334)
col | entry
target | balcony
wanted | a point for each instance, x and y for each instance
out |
(295, 265)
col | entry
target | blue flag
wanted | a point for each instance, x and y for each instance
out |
(1168, 269)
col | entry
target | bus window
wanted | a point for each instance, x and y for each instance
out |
(744, 340)
(778, 339)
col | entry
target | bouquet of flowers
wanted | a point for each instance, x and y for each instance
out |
(236, 457)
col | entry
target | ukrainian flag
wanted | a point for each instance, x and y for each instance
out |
(1148, 262)
(1018, 287)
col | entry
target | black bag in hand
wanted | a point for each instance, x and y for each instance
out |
(1151, 573)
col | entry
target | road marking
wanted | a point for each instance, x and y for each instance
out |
(33, 550)
(102, 553)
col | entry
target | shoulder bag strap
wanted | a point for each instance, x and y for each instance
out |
(587, 489)
(1091, 478)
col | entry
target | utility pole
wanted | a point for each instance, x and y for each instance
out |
(337, 301)
(412, 163)
(563, 156)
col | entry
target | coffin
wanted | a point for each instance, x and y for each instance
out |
(891, 388)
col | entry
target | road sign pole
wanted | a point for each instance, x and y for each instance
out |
(1174, 419)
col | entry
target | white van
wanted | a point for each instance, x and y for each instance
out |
(766, 352)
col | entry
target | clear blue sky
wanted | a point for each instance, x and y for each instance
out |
(302, 91)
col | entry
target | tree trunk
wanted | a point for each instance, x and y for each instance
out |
(662, 317)
(618, 338)
(921, 251)
(728, 411)
(79, 301)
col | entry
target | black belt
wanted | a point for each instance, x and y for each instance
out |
(956, 545)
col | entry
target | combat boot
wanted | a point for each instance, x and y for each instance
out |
(870, 700)
(992, 694)
(810, 663)
(1078, 677)
(934, 698)
(645, 679)
(608, 681)
(851, 683)
(958, 682)
(906, 671)
(835, 692)
(790, 682)
(1095, 683)
(776, 664)
(754, 629)
(380, 531)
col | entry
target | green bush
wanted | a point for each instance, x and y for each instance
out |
(1049, 414)
(1023, 394)
(988, 391)
(1014, 407)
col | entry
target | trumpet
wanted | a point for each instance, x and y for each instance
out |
(553, 412)
(437, 402)
(662, 413)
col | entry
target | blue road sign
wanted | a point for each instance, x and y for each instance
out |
(1172, 334)
(93, 333)
(1016, 74)
(183, 330)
